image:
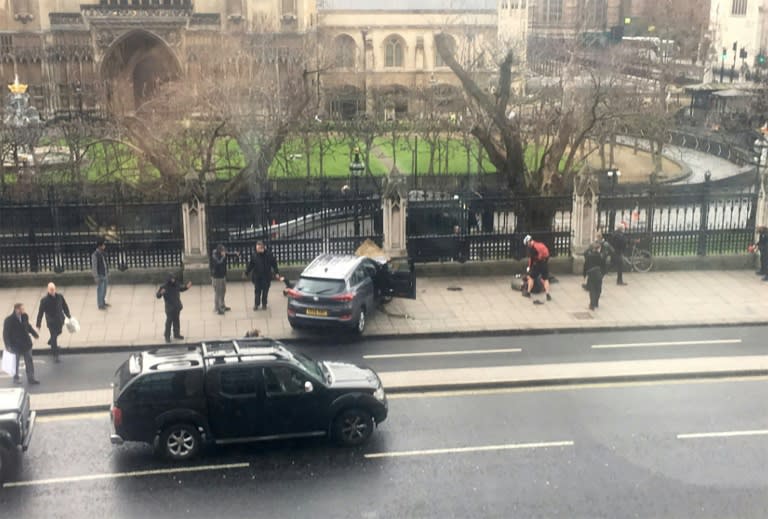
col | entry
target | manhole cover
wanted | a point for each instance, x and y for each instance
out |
(582, 315)
(455, 289)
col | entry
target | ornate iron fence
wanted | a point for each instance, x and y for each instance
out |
(59, 237)
(296, 229)
(460, 228)
(674, 223)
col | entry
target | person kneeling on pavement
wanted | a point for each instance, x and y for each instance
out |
(538, 266)
(594, 270)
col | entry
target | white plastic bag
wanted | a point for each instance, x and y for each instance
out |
(9, 363)
(73, 325)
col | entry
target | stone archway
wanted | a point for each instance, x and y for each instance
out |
(135, 66)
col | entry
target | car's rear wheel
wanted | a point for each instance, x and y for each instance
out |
(180, 442)
(353, 427)
(360, 324)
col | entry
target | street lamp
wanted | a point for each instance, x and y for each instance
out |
(356, 169)
(613, 179)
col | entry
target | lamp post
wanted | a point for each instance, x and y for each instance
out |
(356, 169)
(613, 179)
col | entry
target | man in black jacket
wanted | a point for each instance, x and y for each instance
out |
(55, 308)
(171, 293)
(219, 277)
(262, 267)
(594, 270)
(762, 247)
(618, 241)
(16, 332)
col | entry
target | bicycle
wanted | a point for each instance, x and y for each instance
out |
(639, 260)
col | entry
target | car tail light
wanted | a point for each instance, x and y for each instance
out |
(346, 297)
(117, 416)
(293, 293)
(345, 317)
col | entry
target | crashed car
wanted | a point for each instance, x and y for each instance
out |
(344, 290)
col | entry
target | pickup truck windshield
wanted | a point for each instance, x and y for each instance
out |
(311, 366)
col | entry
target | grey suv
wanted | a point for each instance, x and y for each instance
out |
(344, 290)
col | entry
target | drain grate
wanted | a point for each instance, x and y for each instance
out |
(582, 315)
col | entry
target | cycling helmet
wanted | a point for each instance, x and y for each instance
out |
(527, 239)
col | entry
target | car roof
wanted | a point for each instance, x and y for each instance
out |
(332, 266)
(213, 353)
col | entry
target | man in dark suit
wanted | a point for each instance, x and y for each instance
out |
(261, 268)
(55, 309)
(171, 293)
(16, 332)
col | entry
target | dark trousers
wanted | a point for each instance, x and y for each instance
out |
(260, 292)
(764, 261)
(172, 320)
(28, 364)
(55, 330)
(618, 264)
(595, 288)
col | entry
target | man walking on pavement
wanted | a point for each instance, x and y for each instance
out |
(171, 291)
(594, 270)
(262, 267)
(538, 267)
(16, 332)
(618, 241)
(762, 247)
(100, 272)
(219, 265)
(55, 309)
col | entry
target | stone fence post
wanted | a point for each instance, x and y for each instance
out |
(761, 217)
(585, 217)
(195, 258)
(394, 205)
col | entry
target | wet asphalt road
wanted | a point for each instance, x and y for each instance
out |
(625, 460)
(95, 370)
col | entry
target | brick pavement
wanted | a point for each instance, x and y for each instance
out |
(482, 304)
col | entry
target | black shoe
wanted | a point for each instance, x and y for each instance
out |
(102, 308)
(107, 305)
(591, 307)
(227, 309)
(220, 312)
(537, 302)
(263, 307)
(256, 307)
(180, 337)
(16, 379)
(549, 297)
(56, 358)
(621, 283)
(167, 339)
(526, 294)
(33, 382)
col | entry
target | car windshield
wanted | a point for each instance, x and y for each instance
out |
(320, 286)
(310, 366)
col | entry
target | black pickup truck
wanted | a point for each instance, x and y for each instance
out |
(17, 421)
(233, 391)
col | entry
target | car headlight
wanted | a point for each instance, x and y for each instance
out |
(379, 393)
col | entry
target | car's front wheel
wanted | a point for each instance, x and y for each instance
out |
(179, 442)
(360, 324)
(353, 427)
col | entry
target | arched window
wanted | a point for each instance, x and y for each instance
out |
(439, 59)
(345, 51)
(394, 52)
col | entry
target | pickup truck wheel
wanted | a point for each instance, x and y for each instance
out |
(8, 459)
(180, 442)
(353, 427)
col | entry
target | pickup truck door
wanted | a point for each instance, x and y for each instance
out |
(235, 402)
(291, 406)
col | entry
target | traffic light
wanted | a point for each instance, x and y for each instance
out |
(761, 60)
(735, 46)
(725, 52)
(743, 53)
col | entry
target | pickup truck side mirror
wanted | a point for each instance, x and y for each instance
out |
(308, 387)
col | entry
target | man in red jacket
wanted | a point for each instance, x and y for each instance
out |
(538, 266)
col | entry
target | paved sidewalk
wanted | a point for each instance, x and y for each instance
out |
(443, 305)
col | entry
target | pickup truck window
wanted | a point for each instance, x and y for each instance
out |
(166, 386)
(281, 380)
(238, 381)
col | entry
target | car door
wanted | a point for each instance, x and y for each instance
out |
(400, 279)
(290, 405)
(363, 285)
(235, 402)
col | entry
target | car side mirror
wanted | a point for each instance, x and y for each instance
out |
(308, 387)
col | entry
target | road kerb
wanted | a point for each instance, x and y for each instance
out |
(489, 377)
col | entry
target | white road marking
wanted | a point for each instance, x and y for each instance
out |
(671, 343)
(117, 475)
(725, 434)
(569, 387)
(461, 450)
(441, 353)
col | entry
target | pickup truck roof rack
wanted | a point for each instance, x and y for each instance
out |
(242, 349)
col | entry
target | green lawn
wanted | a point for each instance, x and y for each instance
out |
(450, 156)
